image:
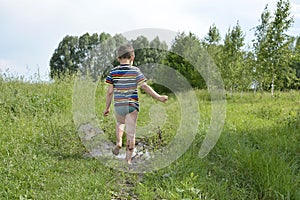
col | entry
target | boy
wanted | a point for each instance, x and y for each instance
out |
(123, 81)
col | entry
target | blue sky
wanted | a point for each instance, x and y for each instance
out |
(32, 29)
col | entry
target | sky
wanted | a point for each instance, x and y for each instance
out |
(30, 30)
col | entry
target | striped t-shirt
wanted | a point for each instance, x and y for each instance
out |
(125, 79)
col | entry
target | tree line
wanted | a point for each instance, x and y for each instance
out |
(271, 62)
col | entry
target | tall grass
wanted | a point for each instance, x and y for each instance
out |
(42, 157)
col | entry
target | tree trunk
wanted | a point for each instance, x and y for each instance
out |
(272, 85)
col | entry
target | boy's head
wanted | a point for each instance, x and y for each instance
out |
(125, 52)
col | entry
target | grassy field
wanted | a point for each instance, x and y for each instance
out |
(42, 157)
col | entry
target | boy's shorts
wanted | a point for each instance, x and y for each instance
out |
(124, 110)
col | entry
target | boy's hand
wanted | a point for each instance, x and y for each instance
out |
(105, 113)
(163, 98)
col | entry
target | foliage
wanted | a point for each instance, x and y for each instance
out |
(272, 50)
(213, 37)
(64, 59)
(95, 54)
(183, 56)
(234, 71)
(272, 63)
(295, 65)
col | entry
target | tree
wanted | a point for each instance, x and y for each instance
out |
(213, 37)
(295, 66)
(65, 59)
(211, 42)
(183, 55)
(233, 69)
(85, 52)
(147, 56)
(260, 46)
(90, 54)
(103, 54)
(157, 50)
(297, 57)
(271, 47)
(148, 52)
(140, 45)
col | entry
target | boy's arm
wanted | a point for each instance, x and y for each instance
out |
(152, 93)
(109, 96)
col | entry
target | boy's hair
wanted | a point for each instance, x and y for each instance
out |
(125, 51)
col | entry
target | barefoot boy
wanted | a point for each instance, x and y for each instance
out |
(123, 81)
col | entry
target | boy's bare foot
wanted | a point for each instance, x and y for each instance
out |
(116, 150)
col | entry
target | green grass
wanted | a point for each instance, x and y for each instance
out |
(42, 157)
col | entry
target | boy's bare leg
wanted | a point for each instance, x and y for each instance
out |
(119, 133)
(120, 125)
(130, 122)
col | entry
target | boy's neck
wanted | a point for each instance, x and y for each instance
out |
(125, 62)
